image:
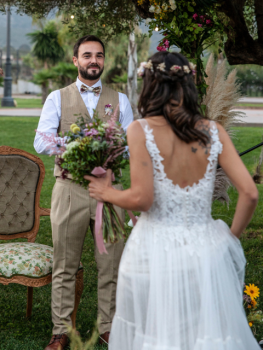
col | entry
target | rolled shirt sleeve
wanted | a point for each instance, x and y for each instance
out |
(48, 123)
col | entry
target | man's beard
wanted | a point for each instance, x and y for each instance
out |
(87, 76)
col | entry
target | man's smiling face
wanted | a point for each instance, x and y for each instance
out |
(90, 60)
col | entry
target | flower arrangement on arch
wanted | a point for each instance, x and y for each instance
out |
(189, 26)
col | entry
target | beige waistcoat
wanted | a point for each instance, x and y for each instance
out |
(73, 106)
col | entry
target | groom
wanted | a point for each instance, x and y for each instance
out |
(72, 209)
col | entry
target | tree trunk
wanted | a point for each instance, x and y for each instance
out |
(132, 74)
(44, 92)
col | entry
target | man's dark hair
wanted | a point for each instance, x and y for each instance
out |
(85, 39)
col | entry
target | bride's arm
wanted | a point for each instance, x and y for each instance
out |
(243, 182)
(139, 196)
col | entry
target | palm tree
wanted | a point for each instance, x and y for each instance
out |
(64, 74)
(42, 78)
(47, 47)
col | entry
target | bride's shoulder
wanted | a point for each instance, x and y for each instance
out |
(135, 131)
(135, 126)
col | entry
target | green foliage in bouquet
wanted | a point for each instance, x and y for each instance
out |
(94, 144)
(90, 146)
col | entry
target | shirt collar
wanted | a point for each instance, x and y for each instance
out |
(79, 83)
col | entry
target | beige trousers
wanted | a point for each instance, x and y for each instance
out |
(72, 212)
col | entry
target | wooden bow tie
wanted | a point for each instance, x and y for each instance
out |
(95, 90)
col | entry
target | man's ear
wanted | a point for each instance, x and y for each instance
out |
(75, 61)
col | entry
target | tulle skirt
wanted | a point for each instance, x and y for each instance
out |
(179, 293)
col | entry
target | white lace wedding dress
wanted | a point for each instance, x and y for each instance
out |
(180, 284)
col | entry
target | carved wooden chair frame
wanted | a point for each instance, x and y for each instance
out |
(31, 236)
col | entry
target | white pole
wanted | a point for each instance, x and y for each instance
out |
(132, 74)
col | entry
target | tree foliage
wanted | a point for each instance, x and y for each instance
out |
(107, 18)
(242, 20)
(46, 44)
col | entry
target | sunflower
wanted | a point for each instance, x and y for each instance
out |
(252, 291)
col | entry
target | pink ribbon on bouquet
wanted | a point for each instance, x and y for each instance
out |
(134, 219)
(100, 172)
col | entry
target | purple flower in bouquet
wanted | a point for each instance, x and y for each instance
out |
(92, 132)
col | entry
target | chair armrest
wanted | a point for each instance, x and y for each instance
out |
(44, 212)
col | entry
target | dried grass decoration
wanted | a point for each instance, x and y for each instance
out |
(221, 97)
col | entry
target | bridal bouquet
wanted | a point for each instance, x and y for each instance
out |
(92, 148)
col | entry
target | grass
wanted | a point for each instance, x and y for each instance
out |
(19, 333)
(27, 103)
(36, 103)
(253, 105)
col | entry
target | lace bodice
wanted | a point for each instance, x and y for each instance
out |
(176, 206)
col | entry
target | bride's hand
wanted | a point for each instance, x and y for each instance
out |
(98, 186)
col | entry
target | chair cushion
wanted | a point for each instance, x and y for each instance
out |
(26, 259)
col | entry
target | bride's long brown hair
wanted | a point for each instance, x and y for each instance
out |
(172, 94)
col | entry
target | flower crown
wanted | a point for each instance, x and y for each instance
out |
(161, 67)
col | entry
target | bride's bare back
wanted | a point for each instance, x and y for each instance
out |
(185, 164)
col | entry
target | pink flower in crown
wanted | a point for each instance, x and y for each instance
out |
(200, 25)
(108, 109)
(175, 68)
(161, 48)
(195, 16)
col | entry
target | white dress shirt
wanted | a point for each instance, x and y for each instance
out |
(51, 114)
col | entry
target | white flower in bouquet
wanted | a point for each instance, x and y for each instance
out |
(64, 155)
(70, 146)
(101, 129)
(95, 145)
(105, 125)
(152, 8)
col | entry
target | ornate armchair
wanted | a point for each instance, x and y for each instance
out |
(26, 263)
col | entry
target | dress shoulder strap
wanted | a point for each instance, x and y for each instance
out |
(215, 137)
(143, 123)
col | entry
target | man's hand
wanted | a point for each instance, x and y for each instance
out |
(98, 186)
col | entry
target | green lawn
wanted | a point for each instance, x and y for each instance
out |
(257, 105)
(27, 103)
(18, 333)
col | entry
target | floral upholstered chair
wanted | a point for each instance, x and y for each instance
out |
(27, 263)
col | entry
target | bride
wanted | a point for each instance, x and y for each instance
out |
(180, 284)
